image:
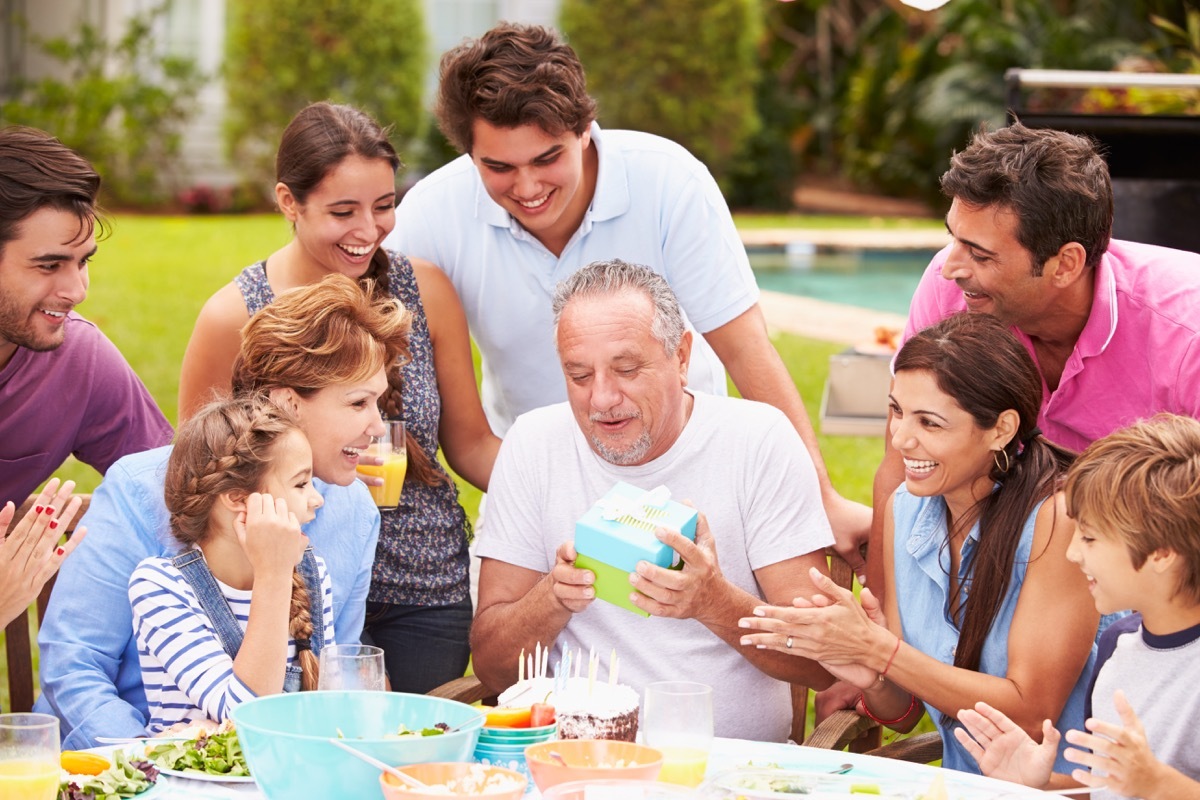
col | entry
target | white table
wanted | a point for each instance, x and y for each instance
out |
(729, 754)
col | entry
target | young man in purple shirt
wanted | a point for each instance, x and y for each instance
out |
(64, 387)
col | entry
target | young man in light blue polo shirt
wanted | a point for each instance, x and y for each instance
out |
(541, 191)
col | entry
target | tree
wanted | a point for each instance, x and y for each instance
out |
(684, 69)
(121, 104)
(283, 55)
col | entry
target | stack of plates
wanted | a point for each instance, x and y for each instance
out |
(505, 747)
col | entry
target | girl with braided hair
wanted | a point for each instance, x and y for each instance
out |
(246, 606)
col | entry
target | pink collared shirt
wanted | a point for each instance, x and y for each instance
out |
(1138, 354)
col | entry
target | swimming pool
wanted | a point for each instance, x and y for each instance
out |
(883, 280)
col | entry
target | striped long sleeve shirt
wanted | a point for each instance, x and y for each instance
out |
(187, 675)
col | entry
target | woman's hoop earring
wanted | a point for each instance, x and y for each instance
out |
(1007, 464)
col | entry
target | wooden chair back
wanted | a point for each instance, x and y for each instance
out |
(18, 635)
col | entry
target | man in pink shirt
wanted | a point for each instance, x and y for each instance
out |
(1114, 326)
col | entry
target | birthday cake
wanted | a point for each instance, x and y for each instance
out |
(585, 709)
(602, 711)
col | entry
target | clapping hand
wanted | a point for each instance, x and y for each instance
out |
(1003, 750)
(29, 553)
(1120, 759)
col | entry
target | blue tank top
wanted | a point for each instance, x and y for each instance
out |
(922, 570)
(422, 555)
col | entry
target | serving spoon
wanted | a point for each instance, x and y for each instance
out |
(408, 780)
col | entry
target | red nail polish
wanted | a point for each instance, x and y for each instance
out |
(53, 524)
(59, 551)
(37, 509)
(49, 509)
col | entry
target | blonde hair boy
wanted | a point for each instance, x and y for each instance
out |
(1135, 498)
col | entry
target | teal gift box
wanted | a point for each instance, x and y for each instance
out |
(618, 531)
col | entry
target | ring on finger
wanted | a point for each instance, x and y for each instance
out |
(788, 643)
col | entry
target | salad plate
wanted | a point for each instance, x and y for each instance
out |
(189, 760)
(157, 789)
(114, 782)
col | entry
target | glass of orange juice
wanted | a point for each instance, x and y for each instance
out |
(677, 718)
(391, 447)
(28, 757)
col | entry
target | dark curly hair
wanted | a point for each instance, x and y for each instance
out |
(1057, 184)
(513, 75)
(38, 171)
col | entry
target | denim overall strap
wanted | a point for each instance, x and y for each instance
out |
(195, 571)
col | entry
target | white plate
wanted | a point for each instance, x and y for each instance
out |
(196, 775)
(191, 775)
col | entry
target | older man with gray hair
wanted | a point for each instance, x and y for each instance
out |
(629, 417)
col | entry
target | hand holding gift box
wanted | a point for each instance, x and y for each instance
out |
(618, 531)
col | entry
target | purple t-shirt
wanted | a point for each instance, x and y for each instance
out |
(1138, 354)
(81, 398)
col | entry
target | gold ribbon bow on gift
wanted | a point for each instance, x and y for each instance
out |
(644, 511)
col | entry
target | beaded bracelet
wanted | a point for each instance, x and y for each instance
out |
(880, 677)
(862, 698)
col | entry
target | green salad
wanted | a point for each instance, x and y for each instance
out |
(405, 732)
(125, 778)
(212, 754)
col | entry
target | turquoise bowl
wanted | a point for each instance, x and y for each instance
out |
(286, 739)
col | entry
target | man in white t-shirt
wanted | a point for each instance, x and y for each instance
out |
(629, 417)
(541, 191)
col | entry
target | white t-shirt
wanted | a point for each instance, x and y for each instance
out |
(655, 204)
(742, 464)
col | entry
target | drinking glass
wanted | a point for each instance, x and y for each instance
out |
(392, 448)
(28, 757)
(677, 719)
(352, 666)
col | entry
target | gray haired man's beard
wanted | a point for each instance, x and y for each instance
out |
(634, 454)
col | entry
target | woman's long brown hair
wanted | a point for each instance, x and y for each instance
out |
(315, 142)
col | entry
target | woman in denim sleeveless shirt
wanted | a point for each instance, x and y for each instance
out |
(336, 185)
(981, 603)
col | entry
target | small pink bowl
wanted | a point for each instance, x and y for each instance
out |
(441, 773)
(591, 759)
